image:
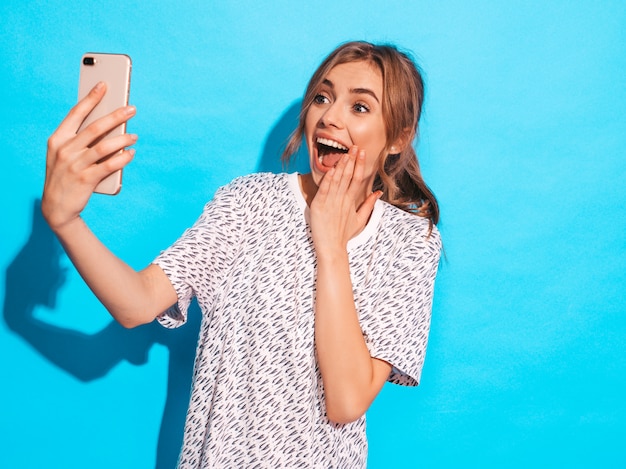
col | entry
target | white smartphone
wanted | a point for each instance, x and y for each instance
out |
(114, 70)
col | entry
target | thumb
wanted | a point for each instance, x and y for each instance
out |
(366, 208)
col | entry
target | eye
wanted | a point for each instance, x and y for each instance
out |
(320, 99)
(361, 108)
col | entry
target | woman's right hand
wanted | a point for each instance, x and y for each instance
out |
(72, 168)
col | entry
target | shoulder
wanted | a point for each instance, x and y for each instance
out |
(252, 189)
(407, 228)
(256, 181)
(256, 196)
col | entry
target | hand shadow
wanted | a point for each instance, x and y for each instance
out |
(34, 278)
(277, 140)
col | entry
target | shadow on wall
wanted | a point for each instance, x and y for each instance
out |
(35, 276)
(277, 140)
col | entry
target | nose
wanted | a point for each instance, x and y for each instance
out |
(332, 116)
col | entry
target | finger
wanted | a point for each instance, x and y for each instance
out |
(365, 210)
(99, 128)
(114, 163)
(324, 187)
(347, 169)
(107, 147)
(339, 180)
(70, 124)
(358, 183)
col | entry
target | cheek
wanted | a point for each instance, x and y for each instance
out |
(310, 122)
(370, 135)
(371, 166)
(373, 145)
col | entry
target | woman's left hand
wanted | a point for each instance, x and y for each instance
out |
(339, 211)
(343, 203)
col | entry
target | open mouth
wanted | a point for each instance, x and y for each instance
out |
(329, 152)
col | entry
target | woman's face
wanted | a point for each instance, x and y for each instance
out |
(347, 110)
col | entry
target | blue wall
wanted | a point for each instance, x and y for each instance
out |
(523, 141)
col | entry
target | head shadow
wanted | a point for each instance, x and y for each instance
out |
(277, 140)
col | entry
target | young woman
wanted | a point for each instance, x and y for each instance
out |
(315, 288)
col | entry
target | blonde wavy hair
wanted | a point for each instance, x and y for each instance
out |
(398, 175)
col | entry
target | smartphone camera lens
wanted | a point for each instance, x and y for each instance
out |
(89, 61)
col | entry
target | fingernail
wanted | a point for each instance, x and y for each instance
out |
(130, 110)
(131, 151)
(98, 86)
(134, 137)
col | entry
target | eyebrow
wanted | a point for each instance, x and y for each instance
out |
(330, 84)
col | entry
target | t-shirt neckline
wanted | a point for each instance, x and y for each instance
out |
(362, 237)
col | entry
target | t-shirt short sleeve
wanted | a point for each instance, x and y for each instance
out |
(196, 262)
(396, 321)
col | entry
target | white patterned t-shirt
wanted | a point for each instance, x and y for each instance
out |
(257, 399)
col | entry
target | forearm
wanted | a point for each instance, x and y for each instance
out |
(352, 378)
(132, 297)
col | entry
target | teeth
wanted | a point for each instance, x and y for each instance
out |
(331, 143)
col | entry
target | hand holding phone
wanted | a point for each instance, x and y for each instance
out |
(78, 161)
(114, 70)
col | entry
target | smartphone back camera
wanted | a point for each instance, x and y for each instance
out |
(89, 61)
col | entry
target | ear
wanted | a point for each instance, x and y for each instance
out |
(398, 145)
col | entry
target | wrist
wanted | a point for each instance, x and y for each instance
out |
(64, 228)
(332, 255)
